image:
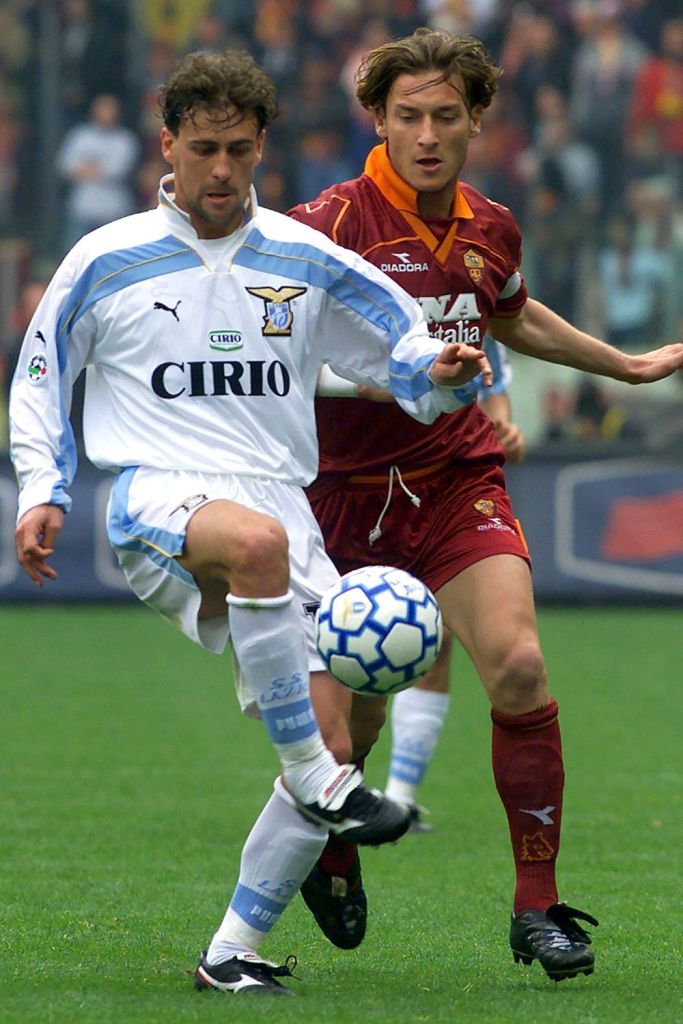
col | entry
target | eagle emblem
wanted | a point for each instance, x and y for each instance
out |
(278, 317)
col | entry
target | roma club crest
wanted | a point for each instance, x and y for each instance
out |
(474, 264)
(486, 507)
(278, 317)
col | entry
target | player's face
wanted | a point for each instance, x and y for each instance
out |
(213, 160)
(428, 129)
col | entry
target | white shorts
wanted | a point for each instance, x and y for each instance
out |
(147, 517)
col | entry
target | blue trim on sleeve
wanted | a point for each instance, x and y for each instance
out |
(410, 380)
(58, 495)
(113, 271)
(349, 287)
(468, 392)
(104, 276)
(320, 269)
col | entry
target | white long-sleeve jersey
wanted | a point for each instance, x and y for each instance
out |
(204, 355)
(332, 385)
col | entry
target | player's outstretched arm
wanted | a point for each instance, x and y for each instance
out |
(541, 333)
(36, 535)
(457, 364)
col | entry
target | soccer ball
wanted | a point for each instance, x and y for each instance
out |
(378, 630)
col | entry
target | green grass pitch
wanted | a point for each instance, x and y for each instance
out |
(129, 781)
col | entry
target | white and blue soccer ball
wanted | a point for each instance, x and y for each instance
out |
(378, 630)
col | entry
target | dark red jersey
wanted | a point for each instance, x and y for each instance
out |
(463, 270)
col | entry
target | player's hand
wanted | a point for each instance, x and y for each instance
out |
(35, 536)
(651, 366)
(457, 364)
(512, 440)
(374, 394)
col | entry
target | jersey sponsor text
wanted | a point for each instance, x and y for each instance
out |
(219, 377)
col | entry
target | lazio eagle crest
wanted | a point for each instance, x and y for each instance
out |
(278, 318)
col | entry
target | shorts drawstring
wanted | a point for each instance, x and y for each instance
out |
(376, 531)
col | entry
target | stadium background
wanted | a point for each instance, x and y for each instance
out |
(584, 143)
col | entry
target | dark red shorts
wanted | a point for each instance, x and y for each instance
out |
(464, 516)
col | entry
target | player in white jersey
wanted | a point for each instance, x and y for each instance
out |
(203, 325)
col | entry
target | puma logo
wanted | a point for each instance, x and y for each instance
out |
(169, 309)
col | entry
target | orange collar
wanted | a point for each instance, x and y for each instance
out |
(400, 194)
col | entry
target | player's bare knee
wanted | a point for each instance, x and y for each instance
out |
(260, 558)
(520, 683)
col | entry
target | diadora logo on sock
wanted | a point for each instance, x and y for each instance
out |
(543, 814)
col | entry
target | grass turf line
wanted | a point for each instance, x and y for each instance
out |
(130, 780)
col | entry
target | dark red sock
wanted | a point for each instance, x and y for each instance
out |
(339, 854)
(529, 775)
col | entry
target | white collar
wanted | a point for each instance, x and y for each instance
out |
(168, 205)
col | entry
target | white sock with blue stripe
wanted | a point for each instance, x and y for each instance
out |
(277, 857)
(417, 717)
(270, 646)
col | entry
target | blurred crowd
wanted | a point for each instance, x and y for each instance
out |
(584, 141)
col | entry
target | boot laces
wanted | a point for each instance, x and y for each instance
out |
(565, 918)
(285, 970)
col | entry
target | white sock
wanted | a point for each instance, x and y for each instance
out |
(277, 857)
(417, 717)
(270, 647)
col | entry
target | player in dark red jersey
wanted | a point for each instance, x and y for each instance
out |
(418, 713)
(459, 254)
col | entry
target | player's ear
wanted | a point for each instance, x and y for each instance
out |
(381, 123)
(475, 122)
(168, 140)
(261, 138)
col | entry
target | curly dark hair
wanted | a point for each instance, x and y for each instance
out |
(428, 49)
(221, 83)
